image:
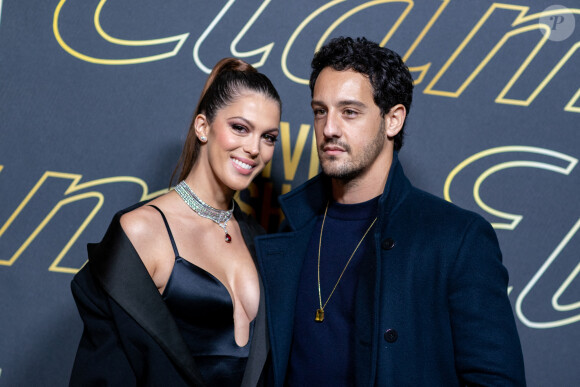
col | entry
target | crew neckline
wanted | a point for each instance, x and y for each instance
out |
(356, 211)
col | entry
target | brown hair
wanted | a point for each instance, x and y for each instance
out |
(227, 81)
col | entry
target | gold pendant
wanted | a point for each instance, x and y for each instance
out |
(319, 315)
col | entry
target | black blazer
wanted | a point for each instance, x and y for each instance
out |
(130, 337)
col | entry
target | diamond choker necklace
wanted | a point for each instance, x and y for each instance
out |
(221, 217)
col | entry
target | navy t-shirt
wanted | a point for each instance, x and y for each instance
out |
(322, 352)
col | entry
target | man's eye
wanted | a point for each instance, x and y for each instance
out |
(319, 112)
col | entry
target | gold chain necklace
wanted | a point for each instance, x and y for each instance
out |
(320, 312)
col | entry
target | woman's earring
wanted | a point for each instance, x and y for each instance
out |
(203, 138)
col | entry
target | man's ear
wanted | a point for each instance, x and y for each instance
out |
(201, 126)
(394, 120)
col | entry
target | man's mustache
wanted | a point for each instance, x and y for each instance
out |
(334, 142)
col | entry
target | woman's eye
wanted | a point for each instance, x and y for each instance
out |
(239, 128)
(271, 138)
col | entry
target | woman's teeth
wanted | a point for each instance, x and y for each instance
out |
(242, 164)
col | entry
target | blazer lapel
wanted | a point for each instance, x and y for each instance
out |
(117, 266)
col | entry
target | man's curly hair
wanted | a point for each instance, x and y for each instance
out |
(389, 76)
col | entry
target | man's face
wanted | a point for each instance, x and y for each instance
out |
(350, 130)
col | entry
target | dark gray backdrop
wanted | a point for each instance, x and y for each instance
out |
(96, 97)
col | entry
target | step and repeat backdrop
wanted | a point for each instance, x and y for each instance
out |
(96, 97)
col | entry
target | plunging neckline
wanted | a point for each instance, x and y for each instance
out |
(215, 280)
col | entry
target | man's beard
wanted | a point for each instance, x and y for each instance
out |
(349, 170)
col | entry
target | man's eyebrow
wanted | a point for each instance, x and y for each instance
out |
(346, 102)
(351, 102)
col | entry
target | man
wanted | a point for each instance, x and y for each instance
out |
(374, 282)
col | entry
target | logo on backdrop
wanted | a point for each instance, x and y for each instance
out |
(555, 23)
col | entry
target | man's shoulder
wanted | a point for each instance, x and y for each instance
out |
(427, 206)
(427, 217)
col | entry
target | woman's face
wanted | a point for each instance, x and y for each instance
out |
(241, 139)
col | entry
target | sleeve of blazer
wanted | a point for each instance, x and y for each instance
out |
(486, 342)
(100, 359)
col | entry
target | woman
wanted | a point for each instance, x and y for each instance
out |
(171, 295)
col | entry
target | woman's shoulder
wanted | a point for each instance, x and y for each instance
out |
(140, 223)
(145, 229)
(115, 234)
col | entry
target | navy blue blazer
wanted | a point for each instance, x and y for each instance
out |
(431, 305)
(130, 337)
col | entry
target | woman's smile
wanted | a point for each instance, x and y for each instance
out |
(244, 167)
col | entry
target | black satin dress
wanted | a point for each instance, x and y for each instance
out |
(203, 310)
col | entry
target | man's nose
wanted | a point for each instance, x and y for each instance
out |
(331, 126)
